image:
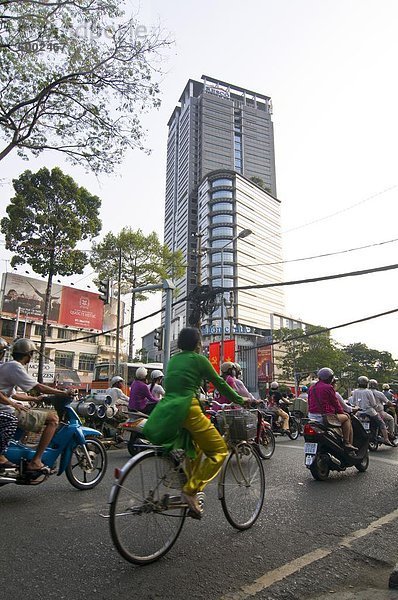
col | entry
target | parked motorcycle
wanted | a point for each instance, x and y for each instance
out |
(81, 455)
(324, 449)
(373, 430)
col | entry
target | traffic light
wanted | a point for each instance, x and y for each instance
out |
(157, 338)
(104, 289)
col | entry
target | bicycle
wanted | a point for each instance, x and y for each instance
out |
(146, 510)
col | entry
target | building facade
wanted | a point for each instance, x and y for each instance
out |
(220, 137)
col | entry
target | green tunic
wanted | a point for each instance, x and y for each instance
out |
(185, 374)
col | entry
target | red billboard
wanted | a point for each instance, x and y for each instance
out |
(264, 364)
(68, 306)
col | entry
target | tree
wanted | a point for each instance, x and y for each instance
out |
(303, 357)
(374, 364)
(75, 77)
(142, 260)
(47, 216)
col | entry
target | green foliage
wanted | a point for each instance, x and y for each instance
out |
(144, 261)
(46, 218)
(75, 77)
(261, 183)
(307, 354)
(374, 364)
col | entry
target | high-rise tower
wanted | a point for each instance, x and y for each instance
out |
(220, 137)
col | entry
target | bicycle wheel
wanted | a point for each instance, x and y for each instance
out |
(242, 486)
(266, 444)
(146, 515)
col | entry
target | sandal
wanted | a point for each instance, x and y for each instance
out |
(195, 508)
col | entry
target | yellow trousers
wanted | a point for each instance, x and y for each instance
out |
(210, 446)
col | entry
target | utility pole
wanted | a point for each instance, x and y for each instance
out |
(119, 277)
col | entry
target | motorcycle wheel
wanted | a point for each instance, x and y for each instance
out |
(363, 465)
(319, 468)
(373, 445)
(78, 472)
(293, 431)
(136, 443)
(266, 445)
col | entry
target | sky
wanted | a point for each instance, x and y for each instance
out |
(330, 69)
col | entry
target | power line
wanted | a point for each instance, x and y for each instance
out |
(343, 210)
(281, 262)
(310, 280)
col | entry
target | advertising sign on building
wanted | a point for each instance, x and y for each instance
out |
(68, 306)
(264, 364)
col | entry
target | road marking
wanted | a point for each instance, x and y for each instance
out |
(268, 579)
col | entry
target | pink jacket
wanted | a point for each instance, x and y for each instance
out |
(325, 401)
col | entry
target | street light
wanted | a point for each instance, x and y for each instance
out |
(242, 234)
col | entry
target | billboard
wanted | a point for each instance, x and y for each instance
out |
(68, 306)
(264, 364)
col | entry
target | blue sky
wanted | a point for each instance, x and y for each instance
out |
(330, 68)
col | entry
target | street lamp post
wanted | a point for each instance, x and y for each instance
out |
(242, 234)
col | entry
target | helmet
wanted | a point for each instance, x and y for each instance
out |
(3, 345)
(386, 386)
(227, 366)
(141, 373)
(238, 368)
(363, 381)
(23, 346)
(325, 373)
(274, 385)
(304, 388)
(156, 373)
(116, 379)
(373, 383)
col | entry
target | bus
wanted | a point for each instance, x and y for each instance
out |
(104, 371)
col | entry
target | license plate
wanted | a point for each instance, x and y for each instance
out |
(309, 459)
(366, 425)
(310, 447)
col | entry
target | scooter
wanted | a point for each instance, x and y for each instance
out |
(324, 449)
(81, 455)
(375, 437)
(276, 424)
(132, 432)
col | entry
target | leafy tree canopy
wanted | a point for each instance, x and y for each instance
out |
(46, 218)
(374, 364)
(75, 77)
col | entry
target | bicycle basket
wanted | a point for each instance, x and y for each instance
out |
(242, 424)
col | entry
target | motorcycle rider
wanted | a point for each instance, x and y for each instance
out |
(363, 397)
(228, 373)
(241, 388)
(322, 400)
(304, 393)
(380, 400)
(13, 374)
(141, 398)
(155, 386)
(8, 421)
(274, 399)
(391, 403)
(115, 391)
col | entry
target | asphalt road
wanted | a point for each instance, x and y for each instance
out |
(313, 540)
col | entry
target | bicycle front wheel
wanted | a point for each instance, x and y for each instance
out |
(241, 486)
(146, 516)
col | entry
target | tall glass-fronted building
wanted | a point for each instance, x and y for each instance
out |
(220, 137)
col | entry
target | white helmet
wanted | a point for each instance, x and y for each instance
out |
(274, 385)
(386, 386)
(116, 379)
(23, 346)
(363, 381)
(227, 366)
(373, 384)
(156, 373)
(141, 373)
(325, 373)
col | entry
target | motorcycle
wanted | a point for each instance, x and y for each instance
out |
(132, 432)
(98, 413)
(276, 423)
(324, 449)
(82, 456)
(373, 431)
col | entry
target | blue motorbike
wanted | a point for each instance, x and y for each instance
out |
(81, 454)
